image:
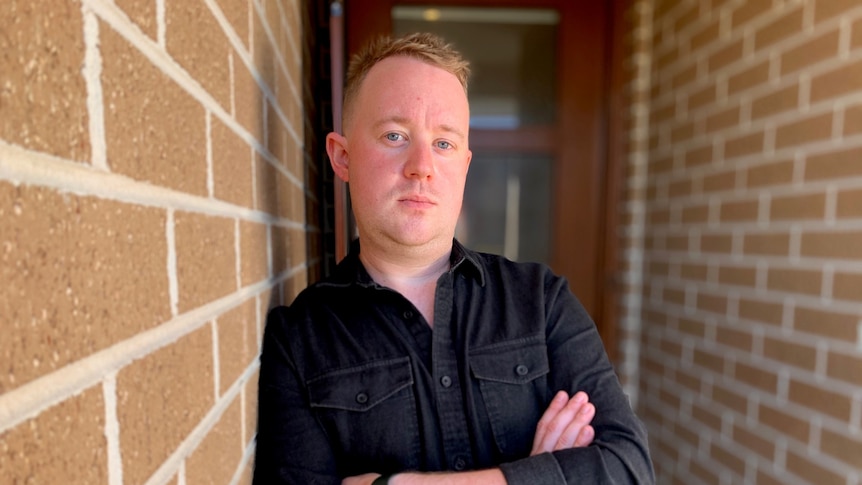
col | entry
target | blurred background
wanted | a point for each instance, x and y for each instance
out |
(693, 167)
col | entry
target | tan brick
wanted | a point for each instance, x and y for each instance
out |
(808, 130)
(692, 327)
(709, 360)
(716, 243)
(154, 130)
(682, 133)
(841, 81)
(774, 244)
(727, 458)
(262, 50)
(764, 478)
(686, 18)
(43, 98)
(761, 311)
(697, 214)
(742, 145)
(237, 13)
(702, 97)
(205, 258)
(712, 303)
(795, 281)
(798, 207)
(671, 348)
(730, 398)
(754, 442)
(666, 59)
(160, 399)
(822, 400)
(785, 26)
(739, 211)
(254, 263)
(784, 423)
(847, 286)
(826, 9)
(693, 382)
(756, 376)
(659, 216)
(720, 181)
(217, 456)
(670, 399)
(693, 271)
(706, 35)
(63, 444)
(841, 446)
(707, 416)
(791, 353)
(782, 100)
(658, 268)
(747, 11)
(815, 50)
(660, 113)
(834, 165)
(856, 35)
(247, 473)
(750, 77)
(853, 120)
(698, 156)
(232, 166)
(830, 324)
(194, 38)
(251, 408)
(143, 14)
(737, 275)
(705, 474)
(723, 119)
(813, 472)
(847, 368)
(237, 342)
(684, 77)
(266, 182)
(734, 338)
(832, 244)
(66, 264)
(724, 56)
(680, 188)
(248, 99)
(777, 173)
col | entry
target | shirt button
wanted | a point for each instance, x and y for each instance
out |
(408, 315)
(446, 381)
(459, 464)
(521, 370)
(362, 398)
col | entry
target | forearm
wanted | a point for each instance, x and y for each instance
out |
(491, 476)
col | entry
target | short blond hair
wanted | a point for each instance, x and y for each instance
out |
(428, 48)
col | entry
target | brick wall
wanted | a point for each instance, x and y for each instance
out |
(153, 206)
(743, 229)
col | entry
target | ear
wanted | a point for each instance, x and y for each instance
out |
(336, 148)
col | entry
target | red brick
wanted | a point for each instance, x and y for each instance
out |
(815, 128)
(834, 165)
(742, 145)
(756, 376)
(777, 173)
(160, 399)
(740, 211)
(158, 137)
(847, 286)
(754, 442)
(63, 444)
(798, 207)
(846, 245)
(830, 324)
(782, 100)
(803, 466)
(201, 240)
(798, 355)
(847, 368)
(220, 452)
(726, 55)
(815, 50)
(841, 446)
(43, 96)
(67, 264)
(787, 25)
(237, 342)
(841, 81)
(761, 311)
(784, 423)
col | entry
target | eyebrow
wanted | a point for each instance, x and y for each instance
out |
(404, 121)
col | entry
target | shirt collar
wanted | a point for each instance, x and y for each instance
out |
(350, 270)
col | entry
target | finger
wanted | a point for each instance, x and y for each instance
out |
(557, 404)
(568, 438)
(586, 436)
(558, 424)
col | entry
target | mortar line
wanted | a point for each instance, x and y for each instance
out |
(92, 71)
(112, 430)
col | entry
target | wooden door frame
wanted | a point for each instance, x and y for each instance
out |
(584, 241)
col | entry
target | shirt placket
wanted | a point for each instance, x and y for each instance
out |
(448, 385)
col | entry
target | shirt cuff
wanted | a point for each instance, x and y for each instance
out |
(536, 470)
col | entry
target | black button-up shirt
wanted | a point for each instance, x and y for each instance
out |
(353, 380)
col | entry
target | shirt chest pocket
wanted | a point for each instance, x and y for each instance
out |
(369, 412)
(513, 387)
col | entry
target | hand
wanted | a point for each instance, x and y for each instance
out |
(365, 479)
(565, 424)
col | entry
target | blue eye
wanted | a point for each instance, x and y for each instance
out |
(445, 145)
(393, 136)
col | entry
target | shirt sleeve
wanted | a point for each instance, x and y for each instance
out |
(619, 452)
(291, 445)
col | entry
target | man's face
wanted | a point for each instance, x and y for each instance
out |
(406, 153)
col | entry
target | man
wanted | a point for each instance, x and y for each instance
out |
(419, 361)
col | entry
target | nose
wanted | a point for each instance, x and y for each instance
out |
(420, 162)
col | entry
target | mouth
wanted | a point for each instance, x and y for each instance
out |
(416, 201)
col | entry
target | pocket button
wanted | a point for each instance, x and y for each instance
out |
(362, 398)
(521, 370)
